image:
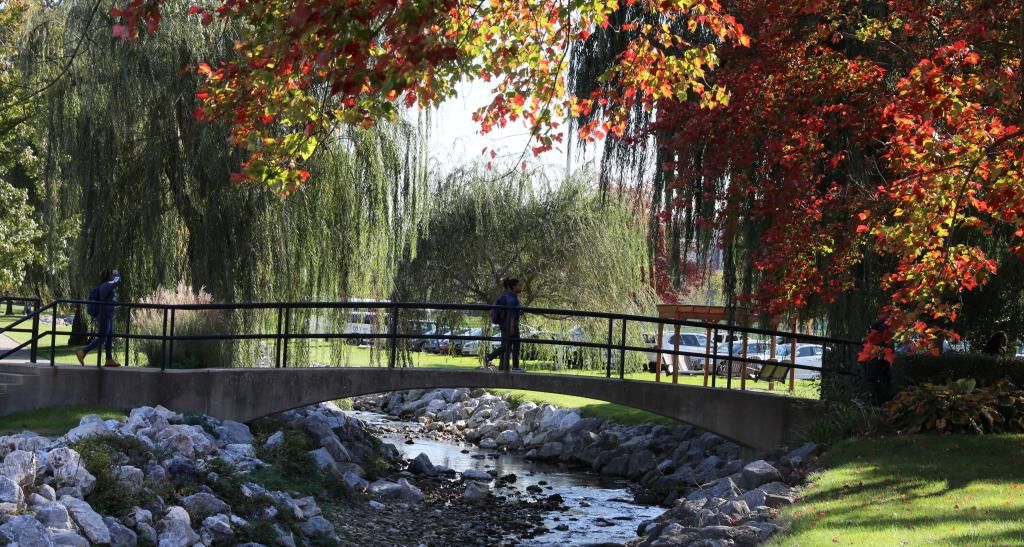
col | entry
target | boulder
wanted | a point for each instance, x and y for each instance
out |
(10, 492)
(274, 440)
(218, 528)
(87, 428)
(189, 441)
(476, 491)
(21, 467)
(120, 535)
(801, 456)
(723, 488)
(89, 522)
(175, 529)
(616, 467)
(138, 515)
(354, 481)
(400, 491)
(25, 531)
(319, 528)
(325, 461)
(130, 478)
(203, 504)
(70, 539)
(284, 536)
(421, 465)
(550, 450)
(640, 462)
(758, 472)
(232, 432)
(488, 444)
(476, 475)
(46, 491)
(509, 437)
(334, 447)
(148, 533)
(68, 470)
(54, 516)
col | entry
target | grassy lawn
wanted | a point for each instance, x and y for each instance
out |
(56, 420)
(590, 407)
(915, 490)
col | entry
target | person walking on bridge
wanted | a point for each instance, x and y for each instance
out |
(101, 307)
(506, 315)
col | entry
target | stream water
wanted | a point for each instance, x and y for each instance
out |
(600, 510)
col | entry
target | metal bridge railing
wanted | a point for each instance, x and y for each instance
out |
(838, 355)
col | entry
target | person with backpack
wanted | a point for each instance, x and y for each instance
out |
(101, 306)
(506, 316)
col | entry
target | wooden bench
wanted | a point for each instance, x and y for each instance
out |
(774, 372)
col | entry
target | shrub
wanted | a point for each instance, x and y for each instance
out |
(959, 407)
(845, 419)
(187, 353)
(987, 370)
(102, 454)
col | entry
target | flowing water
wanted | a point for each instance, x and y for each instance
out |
(601, 510)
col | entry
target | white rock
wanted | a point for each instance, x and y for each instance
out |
(757, 473)
(120, 535)
(87, 429)
(275, 440)
(25, 531)
(46, 491)
(89, 521)
(175, 529)
(70, 539)
(68, 470)
(218, 527)
(232, 432)
(506, 438)
(475, 475)
(320, 528)
(55, 516)
(10, 492)
(21, 467)
(357, 483)
(130, 478)
(204, 504)
(187, 440)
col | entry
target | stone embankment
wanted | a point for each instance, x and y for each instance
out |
(716, 498)
(172, 480)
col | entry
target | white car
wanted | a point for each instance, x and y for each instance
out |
(476, 347)
(691, 342)
(808, 355)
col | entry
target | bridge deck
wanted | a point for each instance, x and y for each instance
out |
(757, 420)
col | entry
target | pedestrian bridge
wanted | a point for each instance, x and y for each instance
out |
(753, 420)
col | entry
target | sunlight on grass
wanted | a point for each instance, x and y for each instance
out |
(591, 407)
(56, 420)
(915, 490)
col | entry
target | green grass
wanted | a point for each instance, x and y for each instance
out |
(914, 490)
(55, 420)
(590, 407)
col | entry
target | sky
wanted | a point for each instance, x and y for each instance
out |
(455, 138)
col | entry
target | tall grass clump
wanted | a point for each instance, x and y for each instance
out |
(187, 353)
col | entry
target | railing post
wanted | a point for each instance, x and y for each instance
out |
(35, 332)
(728, 366)
(163, 344)
(707, 353)
(170, 347)
(608, 349)
(287, 328)
(675, 356)
(128, 338)
(743, 367)
(622, 353)
(714, 359)
(53, 336)
(393, 356)
(659, 341)
(277, 341)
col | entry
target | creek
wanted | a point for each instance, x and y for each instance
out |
(600, 510)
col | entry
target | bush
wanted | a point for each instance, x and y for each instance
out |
(959, 407)
(845, 419)
(101, 455)
(187, 353)
(987, 370)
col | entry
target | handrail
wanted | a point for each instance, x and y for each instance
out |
(392, 310)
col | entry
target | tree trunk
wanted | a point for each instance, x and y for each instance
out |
(10, 307)
(79, 329)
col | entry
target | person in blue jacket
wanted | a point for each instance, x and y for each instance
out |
(103, 303)
(507, 320)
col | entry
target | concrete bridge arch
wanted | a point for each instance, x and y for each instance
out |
(752, 419)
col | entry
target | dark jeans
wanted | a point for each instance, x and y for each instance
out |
(509, 349)
(106, 332)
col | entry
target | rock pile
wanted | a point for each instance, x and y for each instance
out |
(176, 481)
(714, 494)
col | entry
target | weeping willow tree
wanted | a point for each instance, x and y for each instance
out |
(122, 153)
(572, 246)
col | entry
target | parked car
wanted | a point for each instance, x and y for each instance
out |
(755, 350)
(806, 355)
(434, 345)
(696, 343)
(481, 347)
(457, 344)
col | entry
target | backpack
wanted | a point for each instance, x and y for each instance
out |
(498, 314)
(93, 307)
